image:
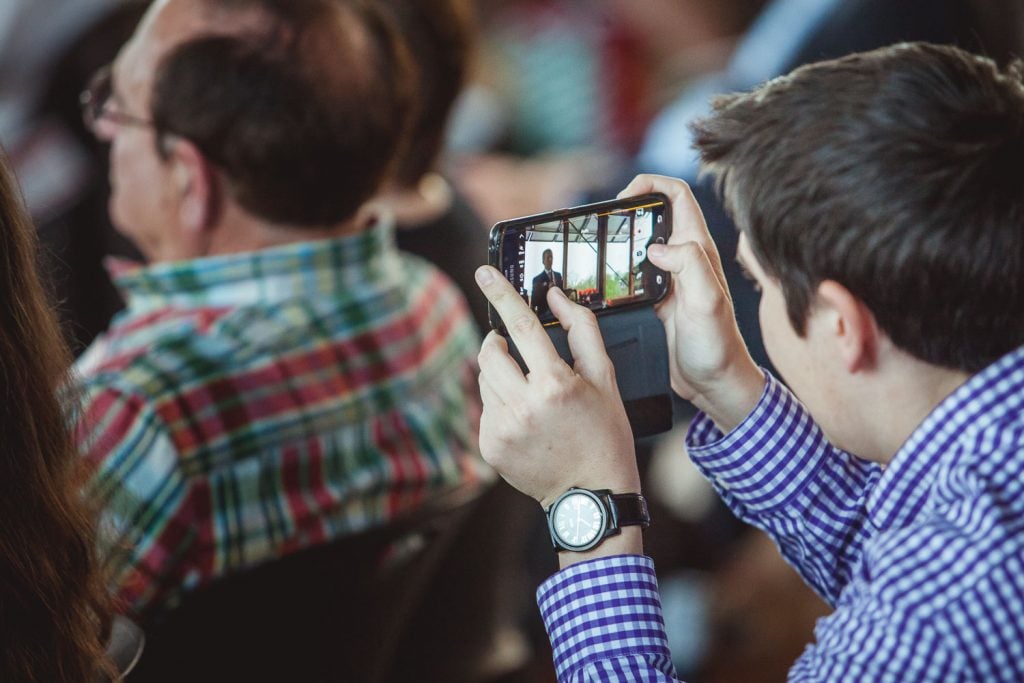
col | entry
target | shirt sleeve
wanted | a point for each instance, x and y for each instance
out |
(605, 623)
(144, 499)
(777, 471)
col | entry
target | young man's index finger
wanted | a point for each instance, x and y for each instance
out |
(522, 323)
(688, 224)
(584, 335)
(686, 213)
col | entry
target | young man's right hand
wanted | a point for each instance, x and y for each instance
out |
(708, 359)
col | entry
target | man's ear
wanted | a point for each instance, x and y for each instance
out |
(195, 186)
(851, 325)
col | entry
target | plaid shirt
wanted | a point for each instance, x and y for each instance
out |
(246, 406)
(923, 561)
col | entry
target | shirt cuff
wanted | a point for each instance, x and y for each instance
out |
(603, 608)
(767, 458)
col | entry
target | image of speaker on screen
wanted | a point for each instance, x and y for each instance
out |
(544, 281)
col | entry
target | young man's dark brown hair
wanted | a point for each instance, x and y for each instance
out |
(303, 116)
(900, 174)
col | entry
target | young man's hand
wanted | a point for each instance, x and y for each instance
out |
(556, 427)
(708, 360)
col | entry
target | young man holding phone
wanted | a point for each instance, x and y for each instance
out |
(880, 199)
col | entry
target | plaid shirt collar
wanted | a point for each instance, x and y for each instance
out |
(987, 397)
(336, 265)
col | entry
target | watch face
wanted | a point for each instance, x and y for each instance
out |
(578, 520)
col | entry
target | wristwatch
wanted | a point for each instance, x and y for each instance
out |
(580, 519)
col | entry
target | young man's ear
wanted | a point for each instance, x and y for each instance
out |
(195, 185)
(851, 325)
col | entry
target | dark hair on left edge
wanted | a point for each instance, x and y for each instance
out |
(898, 173)
(54, 607)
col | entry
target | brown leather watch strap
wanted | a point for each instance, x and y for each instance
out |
(629, 509)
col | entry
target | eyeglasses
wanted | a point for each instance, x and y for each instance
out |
(98, 104)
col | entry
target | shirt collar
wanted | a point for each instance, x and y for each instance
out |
(905, 487)
(335, 265)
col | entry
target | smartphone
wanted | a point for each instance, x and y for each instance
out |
(596, 254)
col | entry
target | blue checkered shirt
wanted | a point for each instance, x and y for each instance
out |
(923, 560)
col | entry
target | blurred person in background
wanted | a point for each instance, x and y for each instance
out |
(54, 605)
(432, 217)
(788, 33)
(48, 50)
(564, 91)
(481, 601)
(34, 35)
(282, 375)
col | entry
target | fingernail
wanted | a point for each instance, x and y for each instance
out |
(484, 276)
(656, 250)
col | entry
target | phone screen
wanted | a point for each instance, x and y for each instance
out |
(596, 254)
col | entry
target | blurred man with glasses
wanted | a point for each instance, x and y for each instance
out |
(282, 376)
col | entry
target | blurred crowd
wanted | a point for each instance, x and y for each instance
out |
(519, 107)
